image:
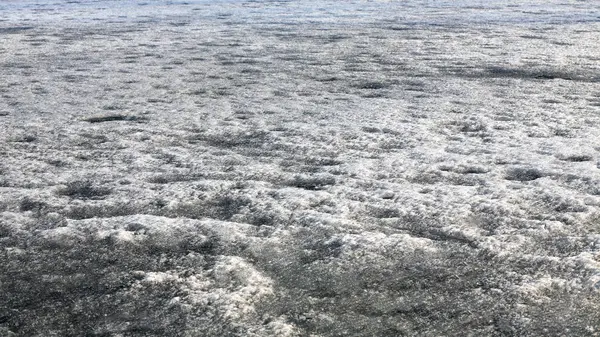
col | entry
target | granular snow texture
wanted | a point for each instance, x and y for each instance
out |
(299, 168)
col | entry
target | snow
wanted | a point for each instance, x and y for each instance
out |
(299, 168)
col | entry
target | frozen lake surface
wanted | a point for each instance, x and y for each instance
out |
(299, 168)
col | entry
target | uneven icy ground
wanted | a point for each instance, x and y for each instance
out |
(299, 169)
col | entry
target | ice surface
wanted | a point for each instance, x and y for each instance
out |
(299, 168)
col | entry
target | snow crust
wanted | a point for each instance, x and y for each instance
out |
(299, 168)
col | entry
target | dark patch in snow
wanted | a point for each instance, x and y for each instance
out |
(115, 118)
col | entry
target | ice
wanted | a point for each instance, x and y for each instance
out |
(299, 168)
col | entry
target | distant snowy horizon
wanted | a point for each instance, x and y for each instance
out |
(415, 12)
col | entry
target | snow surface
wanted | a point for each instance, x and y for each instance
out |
(299, 168)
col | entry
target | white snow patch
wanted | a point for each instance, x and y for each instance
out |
(380, 242)
(63, 236)
(160, 277)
